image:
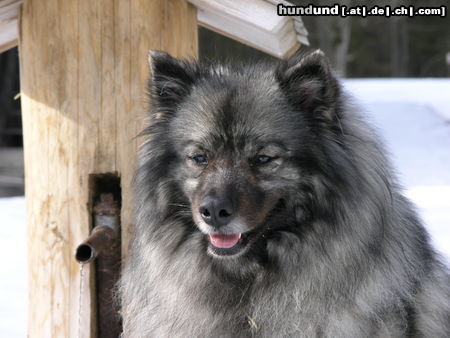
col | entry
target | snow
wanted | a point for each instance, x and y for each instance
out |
(13, 291)
(413, 117)
(423, 92)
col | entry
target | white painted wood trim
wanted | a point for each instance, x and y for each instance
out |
(8, 24)
(253, 22)
(8, 35)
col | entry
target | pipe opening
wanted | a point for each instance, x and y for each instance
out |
(84, 253)
(103, 249)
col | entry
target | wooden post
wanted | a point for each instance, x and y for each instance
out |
(83, 76)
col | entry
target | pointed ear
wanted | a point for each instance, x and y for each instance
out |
(170, 81)
(309, 84)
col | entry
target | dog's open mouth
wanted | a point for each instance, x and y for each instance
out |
(226, 244)
(221, 244)
(224, 241)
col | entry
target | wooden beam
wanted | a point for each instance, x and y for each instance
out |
(252, 22)
(8, 35)
(8, 45)
(8, 24)
(83, 76)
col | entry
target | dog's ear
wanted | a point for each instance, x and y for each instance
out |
(170, 81)
(309, 84)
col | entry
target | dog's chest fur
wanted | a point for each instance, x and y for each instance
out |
(198, 301)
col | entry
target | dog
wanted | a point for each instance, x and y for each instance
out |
(266, 207)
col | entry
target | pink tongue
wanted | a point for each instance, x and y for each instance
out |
(224, 241)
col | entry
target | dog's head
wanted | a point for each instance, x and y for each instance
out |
(241, 142)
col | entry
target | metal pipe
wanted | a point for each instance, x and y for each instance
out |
(105, 232)
(104, 242)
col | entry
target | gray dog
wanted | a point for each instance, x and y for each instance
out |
(266, 207)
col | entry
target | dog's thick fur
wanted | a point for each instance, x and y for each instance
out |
(333, 248)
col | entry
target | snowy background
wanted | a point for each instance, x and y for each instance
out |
(413, 116)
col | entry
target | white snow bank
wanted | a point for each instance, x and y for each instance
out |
(13, 280)
(413, 117)
(427, 91)
(433, 205)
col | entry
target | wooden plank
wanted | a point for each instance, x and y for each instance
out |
(83, 76)
(253, 22)
(282, 53)
(125, 125)
(49, 140)
(8, 45)
(175, 24)
(86, 48)
(8, 24)
(5, 3)
(256, 13)
(9, 9)
(8, 35)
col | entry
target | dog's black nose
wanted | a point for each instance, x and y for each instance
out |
(216, 211)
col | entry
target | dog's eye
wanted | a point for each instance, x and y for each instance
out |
(263, 159)
(199, 159)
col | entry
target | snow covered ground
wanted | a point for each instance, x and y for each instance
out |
(413, 117)
(13, 291)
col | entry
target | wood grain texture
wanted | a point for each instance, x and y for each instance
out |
(8, 24)
(252, 22)
(8, 35)
(83, 76)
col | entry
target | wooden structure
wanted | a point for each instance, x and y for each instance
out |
(83, 77)
(83, 82)
(255, 23)
(8, 23)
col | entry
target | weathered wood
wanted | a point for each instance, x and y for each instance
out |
(8, 35)
(83, 76)
(252, 22)
(8, 24)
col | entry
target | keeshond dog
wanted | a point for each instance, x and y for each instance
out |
(266, 207)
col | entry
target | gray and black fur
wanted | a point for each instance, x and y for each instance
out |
(330, 247)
